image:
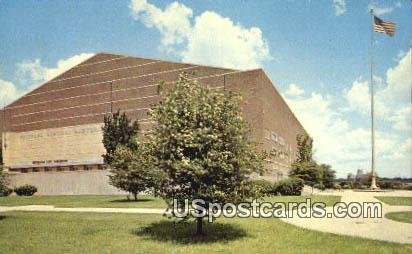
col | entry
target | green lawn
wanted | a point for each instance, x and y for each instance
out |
(120, 201)
(40, 232)
(402, 201)
(144, 201)
(328, 200)
(400, 216)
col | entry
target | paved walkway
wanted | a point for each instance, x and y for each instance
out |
(373, 228)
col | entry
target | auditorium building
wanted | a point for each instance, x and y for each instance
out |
(52, 137)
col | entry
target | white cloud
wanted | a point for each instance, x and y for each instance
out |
(399, 80)
(341, 145)
(205, 39)
(322, 123)
(404, 149)
(8, 92)
(340, 7)
(173, 23)
(393, 101)
(380, 11)
(35, 72)
(358, 96)
(294, 91)
(401, 118)
(32, 73)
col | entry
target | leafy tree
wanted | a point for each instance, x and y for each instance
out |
(327, 175)
(118, 130)
(305, 146)
(128, 160)
(290, 186)
(1, 154)
(4, 181)
(132, 169)
(202, 144)
(307, 169)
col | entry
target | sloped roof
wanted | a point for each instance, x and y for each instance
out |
(83, 94)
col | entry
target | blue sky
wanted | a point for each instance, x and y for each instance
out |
(316, 52)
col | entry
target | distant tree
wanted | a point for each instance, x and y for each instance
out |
(327, 175)
(3, 176)
(127, 158)
(1, 154)
(362, 180)
(350, 177)
(4, 181)
(305, 147)
(132, 169)
(307, 169)
(202, 144)
(304, 167)
(118, 130)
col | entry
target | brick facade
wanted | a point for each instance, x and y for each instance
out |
(83, 95)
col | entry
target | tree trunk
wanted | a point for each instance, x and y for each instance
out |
(199, 226)
(135, 196)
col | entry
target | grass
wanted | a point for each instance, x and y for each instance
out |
(40, 232)
(120, 201)
(329, 200)
(401, 201)
(400, 216)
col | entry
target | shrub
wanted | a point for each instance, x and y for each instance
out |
(5, 191)
(337, 186)
(390, 184)
(256, 189)
(319, 186)
(346, 185)
(25, 190)
(288, 187)
(260, 188)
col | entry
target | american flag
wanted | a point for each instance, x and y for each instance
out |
(386, 27)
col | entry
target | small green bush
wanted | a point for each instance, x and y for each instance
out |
(258, 188)
(319, 186)
(25, 190)
(390, 184)
(346, 185)
(5, 191)
(288, 187)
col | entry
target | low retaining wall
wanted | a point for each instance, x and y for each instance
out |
(66, 182)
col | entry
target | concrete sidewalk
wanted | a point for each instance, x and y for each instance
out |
(372, 228)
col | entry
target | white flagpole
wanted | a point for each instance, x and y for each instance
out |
(373, 183)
